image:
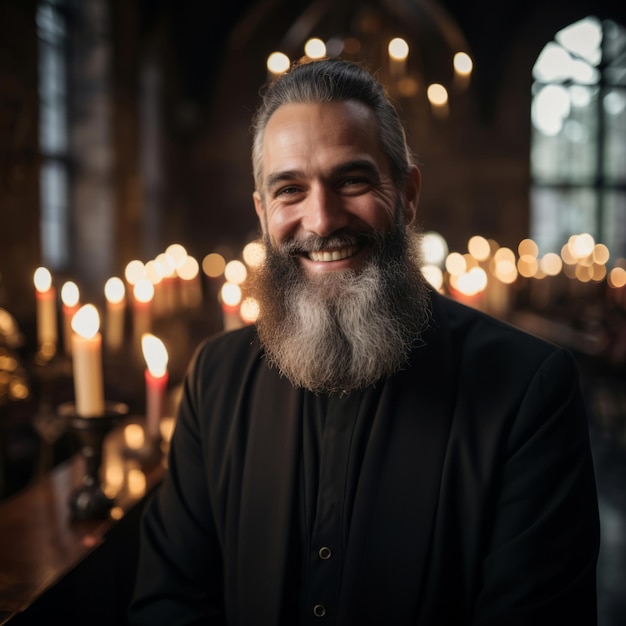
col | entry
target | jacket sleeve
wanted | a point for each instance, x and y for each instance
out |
(179, 575)
(540, 564)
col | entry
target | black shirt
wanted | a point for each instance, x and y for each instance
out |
(335, 432)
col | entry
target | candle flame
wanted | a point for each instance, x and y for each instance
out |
(70, 294)
(164, 265)
(231, 294)
(154, 272)
(254, 254)
(437, 94)
(235, 272)
(143, 290)
(86, 321)
(135, 271)
(188, 269)
(398, 49)
(472, 282)
(617, 278)
(114, 290)
(213, 264)
(176, 253)
(42, 279)
(463, 63)
(155, 354)
(278, 62)
(250, 310)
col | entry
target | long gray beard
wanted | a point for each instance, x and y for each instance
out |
(343, 330)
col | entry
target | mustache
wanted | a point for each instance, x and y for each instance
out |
(339, 239)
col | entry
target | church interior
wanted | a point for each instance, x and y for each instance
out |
(125, 164)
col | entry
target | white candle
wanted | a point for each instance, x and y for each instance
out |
(70, 296)
(87, 362)
(156, 376)
(115, 294)
(437, 95)
(398, 50)
(190, 289)
(166, 270)
(47, 334)
(463, 66)
(143, 295)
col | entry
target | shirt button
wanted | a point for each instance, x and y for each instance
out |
(319, 610)
(325, 553)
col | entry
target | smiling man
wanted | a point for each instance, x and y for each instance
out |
(342, 276)
(370, 452)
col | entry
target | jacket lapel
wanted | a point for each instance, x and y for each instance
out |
(267, 498)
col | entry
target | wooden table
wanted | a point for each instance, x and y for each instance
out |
(42, 544)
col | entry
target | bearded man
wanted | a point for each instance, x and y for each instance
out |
(370, 452)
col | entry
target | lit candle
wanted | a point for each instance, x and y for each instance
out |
(87, 362)
(398, 50)
(190, 288)
(166, 269)
(230, 296)
(277, 63)
(249, 310)
(154, 274)
(469, 287)
(438, 97)
(115, 294)
(46, 312)
(70, 296)
(213, 266)
(143, 295)
(463, 66)
(156, 376)
(134, 271)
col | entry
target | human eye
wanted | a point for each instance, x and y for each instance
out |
(287, 192)
(355, 184)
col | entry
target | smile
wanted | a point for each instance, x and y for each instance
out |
(327, 256)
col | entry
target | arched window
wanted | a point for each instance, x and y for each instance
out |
(53, 134)
(578, 143)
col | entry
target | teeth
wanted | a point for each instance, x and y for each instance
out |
(332, 255)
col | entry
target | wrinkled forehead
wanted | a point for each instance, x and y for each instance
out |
(303, 131)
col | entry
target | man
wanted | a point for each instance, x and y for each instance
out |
(370, 452)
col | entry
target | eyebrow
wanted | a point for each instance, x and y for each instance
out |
(343, 168)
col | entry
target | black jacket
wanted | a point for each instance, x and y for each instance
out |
(476, 501)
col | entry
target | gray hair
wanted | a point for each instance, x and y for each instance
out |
(334, 80)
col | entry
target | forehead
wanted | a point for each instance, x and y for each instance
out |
(306, 132)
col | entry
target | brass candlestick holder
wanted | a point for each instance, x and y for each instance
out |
(88, 501)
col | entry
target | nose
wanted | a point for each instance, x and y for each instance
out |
(323, 212)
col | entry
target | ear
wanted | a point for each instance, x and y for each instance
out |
(412, 188)
(258, 207)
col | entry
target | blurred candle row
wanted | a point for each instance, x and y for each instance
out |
(483, 276)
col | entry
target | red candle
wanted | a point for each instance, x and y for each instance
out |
(156, 377)
(230, 296)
